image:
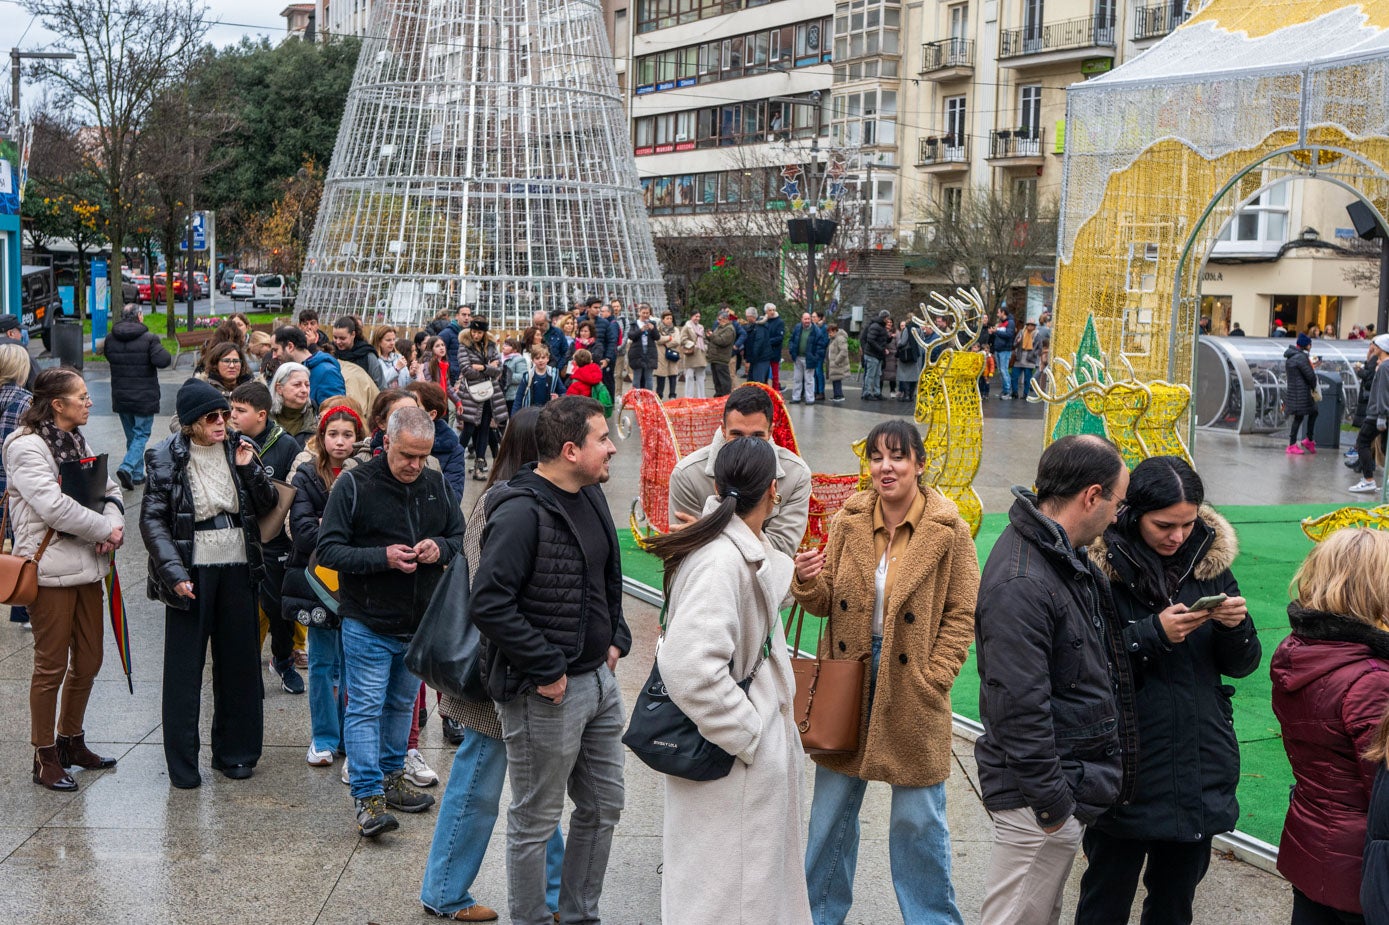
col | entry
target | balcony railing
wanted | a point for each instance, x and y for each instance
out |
(943, 149)
(1057, 36)
(1157, 20)
(936, 56)
(1023, 142)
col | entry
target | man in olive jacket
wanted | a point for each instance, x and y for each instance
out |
(1055, 694)
(720, 352)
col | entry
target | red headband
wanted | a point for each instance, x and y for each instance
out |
(323, 418)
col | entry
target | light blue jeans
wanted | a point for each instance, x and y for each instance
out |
(918, 845)
(467, 815)
(872, 376)
(1002, 358)
(377, 726)
(137, 433)
(327, 689)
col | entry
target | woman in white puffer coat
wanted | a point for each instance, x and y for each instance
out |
(74, 543)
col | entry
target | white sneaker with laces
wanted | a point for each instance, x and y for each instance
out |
(319, 759)
(346, 777)
(417, 771)
(1364, 486)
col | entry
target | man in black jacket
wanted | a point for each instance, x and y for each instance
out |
(276, 450)
(874, 344)
(390, 528)
(135, 356)
(548, 598)
(1055, 692)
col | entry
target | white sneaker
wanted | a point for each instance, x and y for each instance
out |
(346, 777)
(1364, 486)
(417, 771)
(319, 759)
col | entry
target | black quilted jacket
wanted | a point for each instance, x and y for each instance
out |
(166, 515)
(529, 592)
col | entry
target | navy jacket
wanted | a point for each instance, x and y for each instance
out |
(815, 348)
(776, 340)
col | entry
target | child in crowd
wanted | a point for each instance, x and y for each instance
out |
(516, 366)
(585, 376)
(540, 384)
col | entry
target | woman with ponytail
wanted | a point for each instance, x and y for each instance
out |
(736, 839)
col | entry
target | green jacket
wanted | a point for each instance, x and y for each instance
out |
(720, 344)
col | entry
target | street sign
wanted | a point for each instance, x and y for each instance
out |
(199, 233)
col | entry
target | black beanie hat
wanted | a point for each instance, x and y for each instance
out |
(196, 398)
(478, 324)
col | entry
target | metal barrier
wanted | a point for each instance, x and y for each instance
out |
(1240, 381)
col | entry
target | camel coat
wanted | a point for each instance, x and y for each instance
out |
(692, 356)
(734, 844)
(667, 338)
(928, 625)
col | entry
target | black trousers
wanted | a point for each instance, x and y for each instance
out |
(1310, 912)
(477, 434)
(1297, 424)
(723, 379)
(281, 630)
(1365, 443)
(224, 614)
(1110, 881)
(661, 382)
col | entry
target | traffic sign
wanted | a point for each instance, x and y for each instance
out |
(199, 233)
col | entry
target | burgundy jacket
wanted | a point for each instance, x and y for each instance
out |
(1330, 690)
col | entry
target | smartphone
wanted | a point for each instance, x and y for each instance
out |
(1208, 603)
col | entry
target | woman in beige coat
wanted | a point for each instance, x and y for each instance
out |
(76, 543)
(733, 844)
(694, 355)
(897, 582)
(667, 341)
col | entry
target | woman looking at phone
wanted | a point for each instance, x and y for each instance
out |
(1166, 552)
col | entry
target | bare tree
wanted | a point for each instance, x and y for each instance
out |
(127, 51)
(988, 240)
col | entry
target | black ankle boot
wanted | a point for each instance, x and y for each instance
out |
(74, 753)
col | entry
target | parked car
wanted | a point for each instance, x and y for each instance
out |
(157, 289)
(272, 289)
(243, 287)
(130, 289)
(40, 304)
(142, 289)
(224, 280)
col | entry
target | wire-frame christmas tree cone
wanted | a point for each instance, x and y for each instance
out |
(483, 158)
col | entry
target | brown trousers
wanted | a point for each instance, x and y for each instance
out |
(68, 639)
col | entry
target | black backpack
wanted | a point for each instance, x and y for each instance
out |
(908, 350)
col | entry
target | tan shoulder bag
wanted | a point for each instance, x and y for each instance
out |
(829, 697)
(19, 575)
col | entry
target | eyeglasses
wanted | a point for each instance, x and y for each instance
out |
(216, 417)
(231, 361)
(1110, 496)
(83, 399)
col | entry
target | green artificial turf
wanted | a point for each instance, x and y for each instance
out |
(1271, 547)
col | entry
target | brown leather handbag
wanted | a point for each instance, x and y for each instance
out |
(829, 698)
(272, 523)
(19, 575)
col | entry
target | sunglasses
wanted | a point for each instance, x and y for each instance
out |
(216, 417)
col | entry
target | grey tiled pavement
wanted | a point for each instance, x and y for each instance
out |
(281, 847)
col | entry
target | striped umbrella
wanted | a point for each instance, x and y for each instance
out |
(119, 627)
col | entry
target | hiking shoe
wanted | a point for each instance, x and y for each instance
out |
(400, 795)
(1294, 450)
(372, 817)
(126, 481)
(346, 775)
(417, 771)
(290, 681)
(1310, 446)
(1364, 486)
(319, 759)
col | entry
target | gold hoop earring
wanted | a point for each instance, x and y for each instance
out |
(776, 498)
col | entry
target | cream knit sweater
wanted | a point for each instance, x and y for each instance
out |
(214, 492)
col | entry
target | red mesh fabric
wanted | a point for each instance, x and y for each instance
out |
(827, 495)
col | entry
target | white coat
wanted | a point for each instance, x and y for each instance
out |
(37, 503)
(735, 844)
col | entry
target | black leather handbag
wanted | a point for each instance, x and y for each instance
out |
(446, 648)
(664, 739)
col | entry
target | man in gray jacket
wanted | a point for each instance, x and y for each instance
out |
(747, 413)
(1372, 428)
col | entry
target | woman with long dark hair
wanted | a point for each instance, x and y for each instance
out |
(1330, 687)
(74, 541)
(198, 521)
(468, 811)
(1167, 550)
(226, 367)
(736, 839)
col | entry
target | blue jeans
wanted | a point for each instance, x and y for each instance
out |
(137, 434)
(819, 380)
(872, 376)
(760, 371)
(1003, 358)
(641, 379)
(918, 845)
(1022, 380)
(327, 689)
(377, 725)
(467, 815)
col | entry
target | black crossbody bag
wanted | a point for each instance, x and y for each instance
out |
(666, 740)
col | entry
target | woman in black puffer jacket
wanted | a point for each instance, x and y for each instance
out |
(198, 521)
(1297, 399)
(1166, 551)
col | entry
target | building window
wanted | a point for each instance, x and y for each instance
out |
(1030, 109)
(1032, 23)
(1025, 193)
(662, 14)
(780, 48)
(959, 24)
(954, 120)
(952, 202)
(1261, 226)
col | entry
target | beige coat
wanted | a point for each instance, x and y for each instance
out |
(837, 357)
(735, 844)
(37, 503)
(928, 625)
(693, 356)
(668, 338)
(692, 482)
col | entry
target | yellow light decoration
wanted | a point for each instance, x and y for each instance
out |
(1319, 528)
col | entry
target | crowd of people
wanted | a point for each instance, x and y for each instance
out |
(1106, 621)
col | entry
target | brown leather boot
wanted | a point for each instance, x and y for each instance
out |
(49, 771)
(74, 753)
